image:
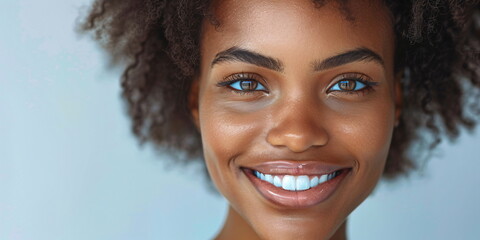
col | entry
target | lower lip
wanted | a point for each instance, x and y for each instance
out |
(296, 199)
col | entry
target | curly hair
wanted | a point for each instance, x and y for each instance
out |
(437, 48)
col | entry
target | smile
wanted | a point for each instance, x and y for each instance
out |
(292, 184)
(296, 183)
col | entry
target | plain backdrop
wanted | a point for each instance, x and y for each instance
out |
(70, 168)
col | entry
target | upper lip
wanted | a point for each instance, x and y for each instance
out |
(286, 167)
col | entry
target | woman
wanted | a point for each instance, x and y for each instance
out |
(297, 107)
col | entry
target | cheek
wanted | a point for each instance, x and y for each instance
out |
(366, 135)
(226, 134)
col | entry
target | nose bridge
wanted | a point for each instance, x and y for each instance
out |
(297, 124)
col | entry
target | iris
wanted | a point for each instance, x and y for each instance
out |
(348, 85)
(247, 85)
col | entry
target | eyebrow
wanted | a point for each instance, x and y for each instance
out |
(358, 54)
(243, 55)
(247, 56)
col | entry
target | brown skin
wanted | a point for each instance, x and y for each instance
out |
(297, 118)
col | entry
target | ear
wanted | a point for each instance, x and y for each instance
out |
(398, 96)
(193, 101)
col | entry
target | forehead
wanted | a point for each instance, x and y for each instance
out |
(276, 27)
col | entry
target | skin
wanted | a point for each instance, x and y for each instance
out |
(297, 117)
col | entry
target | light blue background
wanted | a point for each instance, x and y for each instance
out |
(70, 169)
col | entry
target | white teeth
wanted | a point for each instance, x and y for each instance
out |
(314, 182)
(269, 178)
(302, 183)
(295, 183)
(322, 179)
(288, 183)
(277, 181)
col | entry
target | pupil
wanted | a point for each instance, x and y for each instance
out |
(248, 85)
(347, 85)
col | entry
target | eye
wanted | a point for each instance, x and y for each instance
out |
(244, 83)
(352, 83)
(247, 85)
(348, 85)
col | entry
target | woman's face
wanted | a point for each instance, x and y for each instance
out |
(303, 96)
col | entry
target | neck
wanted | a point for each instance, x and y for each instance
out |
(236, 228)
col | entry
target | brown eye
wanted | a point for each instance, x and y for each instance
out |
(244, 83)
(347, 85)
(248, 85)
(352, 83)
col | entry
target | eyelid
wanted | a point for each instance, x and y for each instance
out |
(355, 76)
(243, 76)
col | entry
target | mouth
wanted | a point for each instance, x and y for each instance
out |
(296, 183)
(294, 187)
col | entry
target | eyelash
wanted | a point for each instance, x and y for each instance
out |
(242, 77)
(357, 77)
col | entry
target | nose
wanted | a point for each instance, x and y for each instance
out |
(298, 128)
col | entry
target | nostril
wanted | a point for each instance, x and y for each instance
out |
(297, 141)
